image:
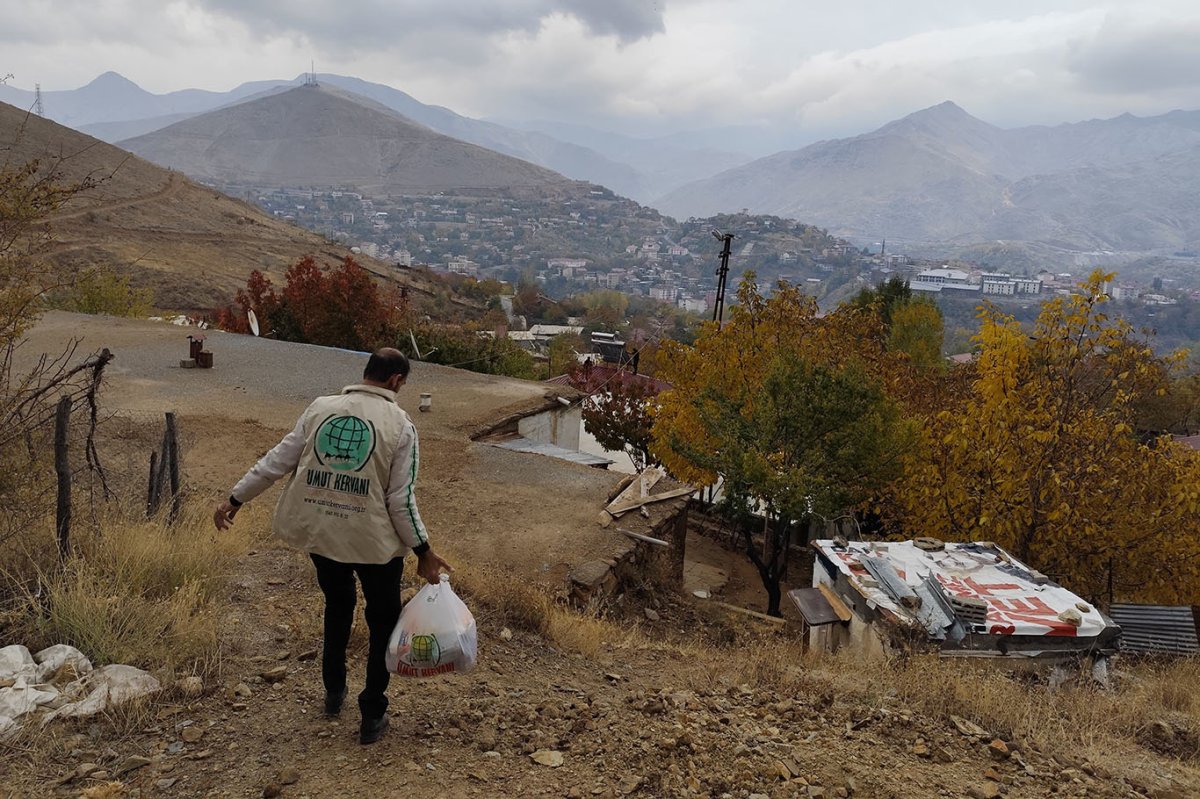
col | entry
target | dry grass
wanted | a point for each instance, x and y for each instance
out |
(137, 591)
(1150, 706)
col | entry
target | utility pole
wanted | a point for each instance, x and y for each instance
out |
(722, 275)
(38, 108)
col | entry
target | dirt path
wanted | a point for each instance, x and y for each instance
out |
(169, 190)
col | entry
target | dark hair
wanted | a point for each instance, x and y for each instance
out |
(384, 364)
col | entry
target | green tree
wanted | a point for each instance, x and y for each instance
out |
(105, 292)
(790, 409)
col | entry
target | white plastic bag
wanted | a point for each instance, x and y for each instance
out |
(435, 634)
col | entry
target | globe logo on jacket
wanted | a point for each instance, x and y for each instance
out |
(344, 443)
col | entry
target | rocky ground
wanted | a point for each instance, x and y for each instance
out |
(531, 720)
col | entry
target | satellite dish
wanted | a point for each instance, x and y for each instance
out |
(253, 320)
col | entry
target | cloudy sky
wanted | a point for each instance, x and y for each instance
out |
(814, 69)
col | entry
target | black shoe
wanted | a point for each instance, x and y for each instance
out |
(333, 702)
(372, 729)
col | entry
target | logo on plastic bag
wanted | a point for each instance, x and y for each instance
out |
(425, 650)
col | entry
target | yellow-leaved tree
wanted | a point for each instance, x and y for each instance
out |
(789, 408)
(1042, 457)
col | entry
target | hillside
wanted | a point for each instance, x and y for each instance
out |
(941, 175)
(194, 246)
(318, 136)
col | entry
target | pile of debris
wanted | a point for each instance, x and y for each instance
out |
(964, 600)
(60, 680)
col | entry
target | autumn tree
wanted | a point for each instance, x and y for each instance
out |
(790, 409)
(1042, 457)
(619, 413)
(341, 306)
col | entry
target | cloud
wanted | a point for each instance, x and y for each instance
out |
(421, 23)
(1134, 54)
(805, 69)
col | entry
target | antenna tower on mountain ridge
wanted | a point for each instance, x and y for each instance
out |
(311, 78)
(38, 108)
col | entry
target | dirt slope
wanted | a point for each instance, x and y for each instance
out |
(193, 245)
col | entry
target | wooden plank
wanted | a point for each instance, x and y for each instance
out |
(754, 614)
(835, 602)
(640, 486)
(617, 508)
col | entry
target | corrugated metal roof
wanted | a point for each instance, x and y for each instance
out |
(1149, 629)
(521, 444)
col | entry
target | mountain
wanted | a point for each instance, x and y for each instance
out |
(321, 136)
(941, 175)
(195, 247)
(114, 98)
(657, 164)
(114, 109)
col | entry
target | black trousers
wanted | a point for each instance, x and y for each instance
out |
(381, 590)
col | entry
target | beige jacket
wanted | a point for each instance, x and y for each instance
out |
(352, 460)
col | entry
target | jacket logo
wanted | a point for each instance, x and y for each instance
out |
(345, 443)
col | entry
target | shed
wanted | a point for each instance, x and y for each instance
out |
(958, 599)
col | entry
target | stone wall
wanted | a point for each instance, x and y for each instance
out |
(635, 563)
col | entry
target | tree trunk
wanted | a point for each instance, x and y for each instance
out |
(774, 595)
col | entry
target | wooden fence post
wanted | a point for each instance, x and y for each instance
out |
(173, 465)
(62, 467)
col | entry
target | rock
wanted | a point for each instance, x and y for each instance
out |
(506, 634)
(271, 790)
(700, 593)
(242, 691)
(204, 755)
(969, 728)
(84, 770)
(99, 775)
(992, 774)
(307, 655)
(493, 755)
(816, 792)
(989, 790)
(547, 757)
(132, 763)
(630, 783)
(998, 749)
(486, 740)
(289, 776)
(175, 747)
(239, 706)
(651, 614)
(275, 674)
(192, 734)
(777, 770)
(190, 686)
(920, 749)
(166, 782)
(943, 755)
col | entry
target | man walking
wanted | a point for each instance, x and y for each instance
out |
(352, 464)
